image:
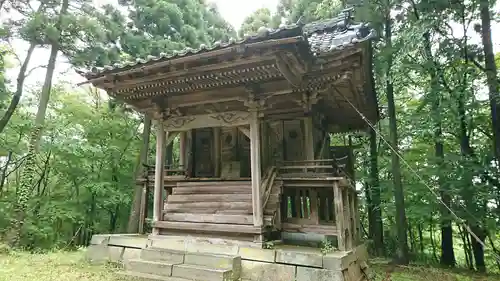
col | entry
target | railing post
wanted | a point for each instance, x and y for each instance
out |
(161, 137)
(347, 216)
(339, 215)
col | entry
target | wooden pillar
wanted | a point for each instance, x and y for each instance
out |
(161, 137)
(217, 151)
(144, 206)
(309, 138)
(255, 168)
(339, 215)
(182, 150)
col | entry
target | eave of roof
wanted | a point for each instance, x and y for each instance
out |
(322, 36)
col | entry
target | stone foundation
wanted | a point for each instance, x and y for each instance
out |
(284, 263)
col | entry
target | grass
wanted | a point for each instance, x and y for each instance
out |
(57, 266)
(70, 266)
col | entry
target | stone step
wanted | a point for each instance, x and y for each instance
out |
(165, 255)
(137, 276)
(201, 273)
(213, 260)
(149, 267)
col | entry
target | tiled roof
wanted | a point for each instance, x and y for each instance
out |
(322, 36)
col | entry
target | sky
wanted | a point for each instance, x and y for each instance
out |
(234, 11)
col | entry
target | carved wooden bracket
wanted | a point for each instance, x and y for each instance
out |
(224, 119)
(291, 69)
(252, 102)
(308, 100)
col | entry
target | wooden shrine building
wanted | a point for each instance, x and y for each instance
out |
(253, 118)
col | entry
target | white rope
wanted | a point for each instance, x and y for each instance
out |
(462, 221)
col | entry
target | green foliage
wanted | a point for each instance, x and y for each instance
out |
(86, 176)
(327, 247)
(260, 18)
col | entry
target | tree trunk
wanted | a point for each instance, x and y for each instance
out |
(375, 208)
(421, 238)
(28, 174)
(19, 89)
(447, 253)
(491, 73)
(402, 255)
(477, 248)
(369, 209)
(133, 221)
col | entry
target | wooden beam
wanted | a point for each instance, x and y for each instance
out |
(161, 137)
(245, 131)
(255, 168)
(222, 119)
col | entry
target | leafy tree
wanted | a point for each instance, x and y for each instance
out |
(260, 18)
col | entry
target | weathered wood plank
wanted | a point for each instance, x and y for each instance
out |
(209, 197)
(209, 227)
(210, 218)
(310, 228)
(339, 215)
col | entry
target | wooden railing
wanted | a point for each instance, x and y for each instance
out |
(316, 199)
(267, 185)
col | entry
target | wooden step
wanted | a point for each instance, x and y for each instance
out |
(210, 218)
(223, 189)
(180, 198)
(208, 227)
(213, 183)
(235, 205)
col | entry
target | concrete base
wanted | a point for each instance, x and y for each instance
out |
(284, 263)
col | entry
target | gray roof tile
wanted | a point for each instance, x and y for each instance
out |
(322, 36)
